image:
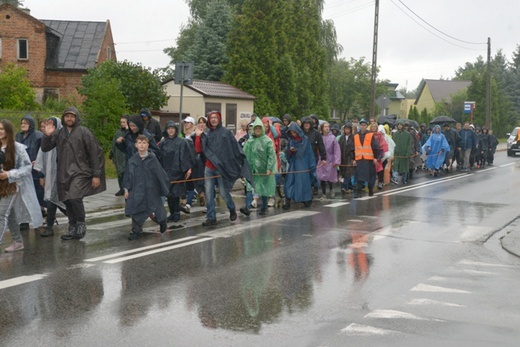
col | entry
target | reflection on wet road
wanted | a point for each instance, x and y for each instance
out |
(408, 262)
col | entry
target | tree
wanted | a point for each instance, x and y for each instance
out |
(141, 87)
(103, 107)
(16, 93)
(16, 3)
(208, 50)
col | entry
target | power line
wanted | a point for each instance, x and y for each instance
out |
(442, 32)
(431, 32)
(149, 41)
(353, 10)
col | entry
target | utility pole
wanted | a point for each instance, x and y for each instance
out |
(374, 64)
(489, 122)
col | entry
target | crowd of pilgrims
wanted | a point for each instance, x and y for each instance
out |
(279, 161)
(292, 161)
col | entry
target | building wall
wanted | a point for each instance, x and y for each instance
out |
(108, 42)
(425, 100)
(194, 103)
(65, 82)
(15, 24)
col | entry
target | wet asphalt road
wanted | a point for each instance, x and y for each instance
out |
(415, 264)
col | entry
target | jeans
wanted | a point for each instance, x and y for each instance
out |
(209, 186)
(8, 218)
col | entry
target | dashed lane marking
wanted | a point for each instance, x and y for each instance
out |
(392, 314)
(436, 289)
(136, 250)
(367, 330)
(20, 280)
(422, 302)
(393, 192)
(337, 204)
(479, 263)
(164, 249)
(507, 164)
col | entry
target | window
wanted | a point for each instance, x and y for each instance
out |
(23, 49)
(109, 53)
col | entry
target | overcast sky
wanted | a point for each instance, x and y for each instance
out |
(407, 51)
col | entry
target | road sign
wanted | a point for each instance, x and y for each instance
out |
(469, 106)
(184, 73)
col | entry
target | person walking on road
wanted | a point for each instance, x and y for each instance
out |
(436, 149)
(18, 201)
(328, 173)
(367, 152)
(225, 163)
(262, 159)
(81, 167)
(47, 166)
(177, 161)
(145, 184)
(301, 169)
(151, 124)
(468, 143)
(346, 144)
(402, 153)
(118, 155)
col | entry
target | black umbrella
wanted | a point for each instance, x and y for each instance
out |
(442, 120)
(385, 120)
(413, 123)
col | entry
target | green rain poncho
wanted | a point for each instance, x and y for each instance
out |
(261, 157)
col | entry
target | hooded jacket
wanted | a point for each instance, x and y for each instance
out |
(176, 158)
(152, 126)
(80, 158)
(301, 166)
(128, 146)
(315, 140)
(32, 139)
(261, 157)
(224, 153)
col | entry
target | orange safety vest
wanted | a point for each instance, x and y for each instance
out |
(364, 151)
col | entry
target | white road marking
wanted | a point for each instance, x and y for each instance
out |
(366, 330)
(337, 204)
(436, 289)
(355, 221)
(20, 280)
(135, 250)
(391, 314)
(479, 263)
(507, 164)
(476, 272)
(437, 278)
(433, 302)
(164, 249)
(233, 230)
(80, 266)
(484, 170)
(393, 192)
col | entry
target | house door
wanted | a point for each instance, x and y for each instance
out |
(231, 117)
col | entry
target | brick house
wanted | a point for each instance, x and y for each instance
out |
(56, 53)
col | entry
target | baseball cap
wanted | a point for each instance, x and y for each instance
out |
(189, 120)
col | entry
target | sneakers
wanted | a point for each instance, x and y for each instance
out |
(15, 246)
(270, 203)
(263, 212)
(134, 235)
(209, 222)
(394, 181)
(245, 211)
(380, 185)
(121, 192)
(175, 217)
(186, 208)
(307, 203)
(254, 203)
(233, 215)
(323, 197)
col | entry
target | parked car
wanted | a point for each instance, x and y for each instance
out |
(513, 145)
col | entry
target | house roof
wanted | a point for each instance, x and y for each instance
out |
(442, 89)
(217, 89)
(78, 45)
